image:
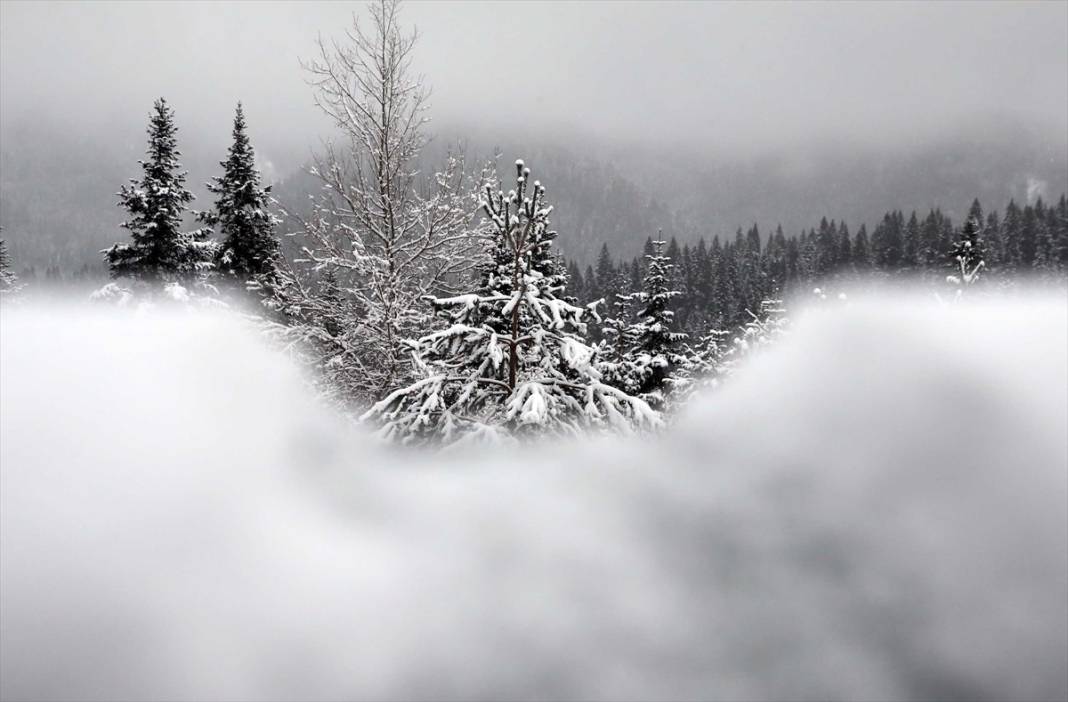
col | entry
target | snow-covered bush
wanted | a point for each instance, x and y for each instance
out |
(143, 296)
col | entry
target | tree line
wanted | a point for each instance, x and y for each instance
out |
(719, 283)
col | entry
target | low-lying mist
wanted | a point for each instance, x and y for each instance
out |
(874, 508)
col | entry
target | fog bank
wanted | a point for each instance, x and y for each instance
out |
(721, 78)
(874, 509)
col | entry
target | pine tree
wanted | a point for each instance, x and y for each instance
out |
(9, 282)
(808, 258)
(931, 256)
(161, 251)
(1028, 237)
(513, 359)
(644, 355)
(861, 250)
(826, 248)
(887, 242)
(606, 274)
(656, 350)
(845, 249)
(634, 275)
(912, 246)
(1046, 250)
(967, 255)
(1060, 227)
(1010, 238)
(994, 244)
(702, 275)
(647, 250)
(590, 278)
(242, 214)
(576, 286)
(620, 338)
(725, 305)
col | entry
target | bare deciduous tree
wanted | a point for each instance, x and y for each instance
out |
(388, 234)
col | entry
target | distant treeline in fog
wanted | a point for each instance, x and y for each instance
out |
(58, 189)
(719, 281)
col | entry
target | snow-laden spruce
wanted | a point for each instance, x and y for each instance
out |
(249, 248)
(645, 353)
(513, 359)
(161, 252)
(381, 235)
(968, 254)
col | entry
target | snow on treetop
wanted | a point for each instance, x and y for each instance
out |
(519, 163)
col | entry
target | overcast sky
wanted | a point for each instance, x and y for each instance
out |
(737, 77)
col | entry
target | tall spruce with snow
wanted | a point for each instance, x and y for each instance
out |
(513, 359)
(656, 354)
(249, 248)
(615, 349)
(968, 253)
(160, 251)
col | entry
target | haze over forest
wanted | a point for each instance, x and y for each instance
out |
(697, 120)
(740, 376)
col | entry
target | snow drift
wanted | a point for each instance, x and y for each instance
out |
(875, 509)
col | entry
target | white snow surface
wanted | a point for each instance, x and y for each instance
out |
(873, 509)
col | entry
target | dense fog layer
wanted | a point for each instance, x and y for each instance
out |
(873, 509)
(739, 78)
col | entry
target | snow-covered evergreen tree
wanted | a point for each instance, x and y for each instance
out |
(968, 253)
(9, 282)
(657, 345)
(648, 350)
(614, 352)
(161, 252)
(249, 248)
(513, 359)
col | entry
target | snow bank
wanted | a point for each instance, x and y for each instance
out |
(874, 510)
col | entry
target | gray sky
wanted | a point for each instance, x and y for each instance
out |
(740, 78)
